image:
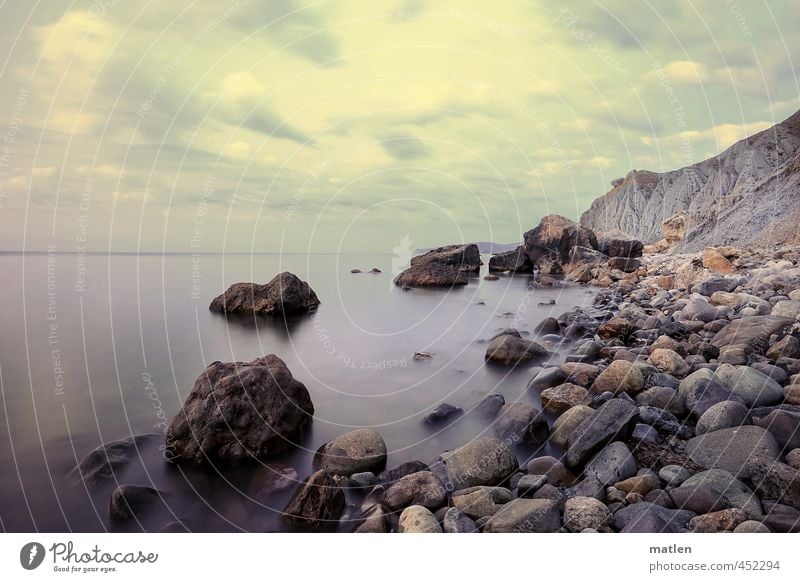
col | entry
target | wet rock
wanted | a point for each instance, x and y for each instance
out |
(698, 499)
(549, 325)
(103, 463)
(525, 516)
(556, 236)
(355, 271)
(393, 475)
(718, 521)
(491, 277)
(456, 522)
(510, 350)
(489, 406)
(443, 413)
(515, 261)
(586, 512)
(483, 461)
(286, 294)
(567, 422)
(364, 480)
(239, 411)
(784, 426)
(421, 488)
(317, 505)
(731, 448)
(418, 519)
(775, 480)
(374, 519)
(619, 376)
(359, 450)
(751, 526)
(674, 475)
(641, 484)
(431, 275)
(614, 463)
(555, 472)
(478, 502)
(614, 419)
(753, 387)
(461, 257)
(724, 484)
(651, 518)
(520, 423)
(270, 479)
(662, 397)
(724, 414)
(132, 501)
(669, 362)
(561, 398)
(547, 378)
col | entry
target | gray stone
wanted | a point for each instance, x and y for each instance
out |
(418, 519)
(614, 419)
(483, 461)
(753, 387)
(318, 503)
(724, 483)
(356, 451)
(510, 350)
(525, 515)
(102, 464)
(731, 448)
(751, 526)
(586, 512)
(530, 484)
(132, 501)
(674, 475)
(669, 520)
(478, 502)
(519, 423)
(567, 422)
(612, 464)
(421, 488)
(456, 522)
(725, 414)
(285, 294)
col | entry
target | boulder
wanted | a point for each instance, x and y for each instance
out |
(616, 243)
(613, 420)
(483, 461)
(489, 406)
(356, 451)
(731, 448)
(559, 399)
(270, 479)
(441, 414)
(646, 517)
(240, 411)
(587, 256)
(616, 327)
(567, 422)
(557, 235)
(670, 362)
(431, 275)
(719, 521)
(724, 484)
(525, 516)
(789, 309)
(318, 503)
(285, 295)
(662, 397)
(583, 512)
(462, 257)
(774, 480)
(374, 519)
(132, 501)
(698, 499)
(103, 463)
(784, 426)
(705, 394)
(751, 526)
(478, 502)
(624, 264)
(675, 227)
(753, 330)
(580, 373)
(619, 376)
(456, 522)
(641, 484)
(515, 261)
(421, 488)
(510, 350)
(519, 423)
(391, 475)
(725, 414)
(714, 261)
(786, 347)
(551, 468)
(418, 519)
(674, 475)
(752, 386)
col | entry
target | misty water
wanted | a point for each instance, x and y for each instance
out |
(100, 347)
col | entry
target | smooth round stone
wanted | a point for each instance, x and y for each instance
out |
(529, 484)
(725, 414)
(418, 519)
(751, 526)
(586, 512)
(793, 459)
(567, 422)
(674, 475)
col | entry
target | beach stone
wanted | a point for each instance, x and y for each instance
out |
(418, 519)
(553, 469)
(731, 448)
(478, 502)
(612, 464)
(698, 309)
(708, 288)
(793, 459)
(645, 433)
(662, 397)
(641, 484)
(719, 521)
(240, 411)
(431, 275)
(786, 347)
(555, 236)
(586, 512)
(751, 526)
(784, 426)
(789, 309)
(462, 257)
(510, 350)
(547, 378)
(131, 501)
(651, 518)
(530, 484)
(663, 421)
(579, 373)
(753, 330)
(698, 499)
(553, 494)
(103, 463)
(776, 373)
(616, 327)
(318, 503)
(441, 414)
(391, 475)
(285, 294)
(616, 243)
(483, 461)
(753, 387)
(775, 480)
(726, 485)
(421, 488)
(706, 394)
(620, 376)
(549, 325)
(272, 478)
(725, 414)
(515, 261)
(791, 394)
(356, 451)
(567, 422)
(587, 487)
(456, 522)
(669, 362)
(614, 419)
(525, 516)
(624, 264)
(561, 398)
(674, 475)
(374, 519)
(520, 423)
(489, 406)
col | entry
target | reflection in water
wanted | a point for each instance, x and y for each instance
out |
(79, 367)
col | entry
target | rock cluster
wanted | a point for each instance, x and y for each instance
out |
(442, 267)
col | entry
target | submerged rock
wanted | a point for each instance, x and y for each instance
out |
(510, 350)
(103, 463)
(131, 501)
(356, 451)
(286, 294)
(431, 275)
(317, 505)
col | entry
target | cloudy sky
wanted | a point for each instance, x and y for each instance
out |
(347, 125)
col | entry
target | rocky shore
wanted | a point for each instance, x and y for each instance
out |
(673, 403)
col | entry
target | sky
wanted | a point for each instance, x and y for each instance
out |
(346, 126)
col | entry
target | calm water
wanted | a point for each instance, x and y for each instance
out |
(102, 347)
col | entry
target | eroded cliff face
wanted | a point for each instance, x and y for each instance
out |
(748, 193)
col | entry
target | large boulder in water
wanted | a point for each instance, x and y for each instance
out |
(616, 243)
(318, 503)
(356, 451)
(462, 257)
(515, 261)
(286, 294)
(483, 461)
(511, 349)
(556, 236)
(431, 275)
(238, 411)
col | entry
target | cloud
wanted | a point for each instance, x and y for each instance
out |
(405, 147)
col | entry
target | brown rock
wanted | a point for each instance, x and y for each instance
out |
(561, 398)
(286, 294)
(718, 521)
(620, 376)
(317, 505)
(714, 261)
